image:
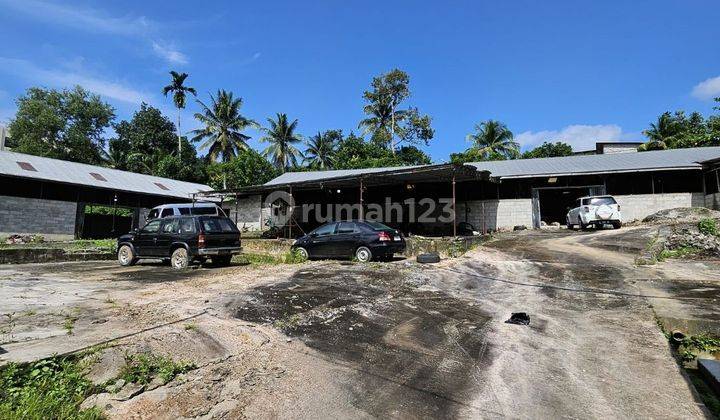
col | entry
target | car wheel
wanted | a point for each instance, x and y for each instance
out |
(582, 225)
(126, 256)
(302, 253)
(617, 225)
(179, 259)
(222, 261)
(363, 254)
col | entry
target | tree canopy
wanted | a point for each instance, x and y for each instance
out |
(547, 149)
(247, 168)
(224, 125)
(61, 124)
(678, 130)
(282, 138)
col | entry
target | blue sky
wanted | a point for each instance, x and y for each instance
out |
(576, 71)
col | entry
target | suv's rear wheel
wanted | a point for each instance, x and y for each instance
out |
(582, 225)
(363, 254)
(126, 256)
(617, 225)
(179, 259)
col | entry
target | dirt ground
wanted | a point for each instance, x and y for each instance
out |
(333, 339)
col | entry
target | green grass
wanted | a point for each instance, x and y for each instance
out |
(291, 257)
(682, 252)
(693, 345)
(191, 327)
(708, 227)
(103, 245)
(48, 389)
(143, 368)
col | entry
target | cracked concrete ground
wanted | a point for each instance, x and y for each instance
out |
(329, 339)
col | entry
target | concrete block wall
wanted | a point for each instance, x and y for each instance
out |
(51, 218)
(499, 214)
(712, 201)
(639, 206)
(248, 213)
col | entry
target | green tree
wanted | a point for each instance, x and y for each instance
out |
(179, 91)
(320, 151)
(186, 167)
(142, 142)
(549, 150)
(247, 168)
(492, 139)
(661, 134)
(387, 124)
(223, 127)
(67, 124)
(475, 155)
(354, 152)
(282, 138)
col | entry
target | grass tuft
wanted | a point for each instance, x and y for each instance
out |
(142, 368)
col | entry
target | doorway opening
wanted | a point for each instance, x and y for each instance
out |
(551, 204)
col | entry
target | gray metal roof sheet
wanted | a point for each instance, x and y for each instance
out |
(567, 165)
(592, 164)
(80, 174)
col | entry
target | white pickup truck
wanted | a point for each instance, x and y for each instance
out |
(596, 210)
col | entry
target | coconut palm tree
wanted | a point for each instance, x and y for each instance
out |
(320, 150)
(179, 91)
(282, 138)
(492, 137)
(223, 126)
(661, 134)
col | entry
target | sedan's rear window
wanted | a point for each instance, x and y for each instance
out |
(218, 225)
(379, 226)
(599, 201)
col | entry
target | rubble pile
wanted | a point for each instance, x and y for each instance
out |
(693, 238)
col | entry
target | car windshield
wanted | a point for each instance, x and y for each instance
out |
(599, 201)
(379, 226)
(325, 230)
(153, 214)
(217, 225)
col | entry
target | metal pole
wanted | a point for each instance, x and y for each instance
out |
(290, 219)
(453, 206)
(236, 208)
(362, 212)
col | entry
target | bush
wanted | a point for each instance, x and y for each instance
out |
(708, 227)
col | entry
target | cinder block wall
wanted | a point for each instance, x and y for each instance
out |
(712, 201)
(499, 214)
(639, 206)
(51, 218)
(248, 213)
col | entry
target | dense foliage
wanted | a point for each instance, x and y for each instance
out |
(678, 130)
(547, 149)
(66, 124)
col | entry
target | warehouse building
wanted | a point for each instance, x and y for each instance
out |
(498, 194)
(59, 199)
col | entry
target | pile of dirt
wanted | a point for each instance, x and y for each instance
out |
(693, 238)
(682, 215)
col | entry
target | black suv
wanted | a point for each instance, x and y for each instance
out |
(363, 240)
(181, 240)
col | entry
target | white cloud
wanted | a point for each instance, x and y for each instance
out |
(707, 89)
(67, 78)
(580, 137)
(96, 21)
(169, 53)
(85, 19)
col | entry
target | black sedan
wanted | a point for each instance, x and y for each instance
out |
(363, 240)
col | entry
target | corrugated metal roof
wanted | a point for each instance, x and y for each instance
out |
(294, 177)
(568, 165)
(593, 164)
(89, 175)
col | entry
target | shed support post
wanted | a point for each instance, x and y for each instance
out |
(362, 207)
(290, 220)
(453, 206)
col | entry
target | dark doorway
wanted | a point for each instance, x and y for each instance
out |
(555, 202)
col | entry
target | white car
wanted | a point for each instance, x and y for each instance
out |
(185, 209)
(596, 210)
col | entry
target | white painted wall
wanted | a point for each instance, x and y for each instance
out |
(639, 206)
(498, 214)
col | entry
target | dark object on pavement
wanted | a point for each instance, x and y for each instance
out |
(519, 318)
(362, 240)
(465, 229)
(182, 240)
(710, 369)
(2, 350)
(520, 227)
(428, 258)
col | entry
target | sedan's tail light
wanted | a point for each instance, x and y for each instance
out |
(201, 241)
(384, 236)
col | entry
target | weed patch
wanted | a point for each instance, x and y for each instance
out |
(143, 368)
(49, 389)
(708, 227)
